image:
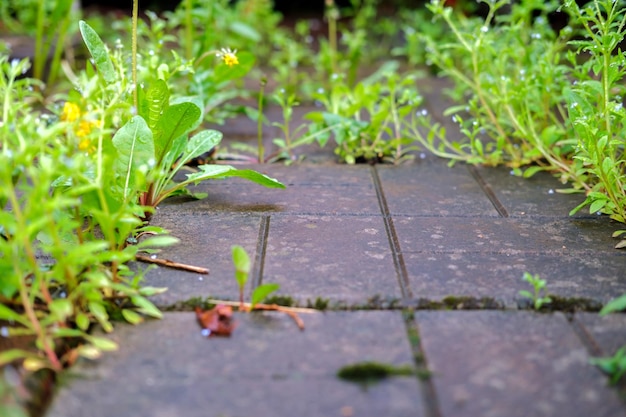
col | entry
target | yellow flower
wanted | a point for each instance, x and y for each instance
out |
(229, 57)
(84, 144)
(84, 128)
(70, 113)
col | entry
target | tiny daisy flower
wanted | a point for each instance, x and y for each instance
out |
(229, 57)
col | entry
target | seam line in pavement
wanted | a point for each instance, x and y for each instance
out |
(429, 393)
(261, 248)
(394, 244)
(585, 337)
(491, 195)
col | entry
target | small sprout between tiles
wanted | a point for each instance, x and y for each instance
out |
(539, 296)
(218, 321)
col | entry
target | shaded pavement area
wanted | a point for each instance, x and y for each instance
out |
(418, 265)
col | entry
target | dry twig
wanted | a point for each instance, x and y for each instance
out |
(172, 264)
(290, 311)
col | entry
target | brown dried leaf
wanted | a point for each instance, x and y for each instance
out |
(218, 321)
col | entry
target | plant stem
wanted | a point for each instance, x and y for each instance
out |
(332, 33)
(134, 54)
(40, 59)
(188, 31)
(259, 122)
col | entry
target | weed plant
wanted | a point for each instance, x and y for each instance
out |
(509, 80)
(52, 24)
(366, 120)
(536, 100)
(595, 105)
(78, 186)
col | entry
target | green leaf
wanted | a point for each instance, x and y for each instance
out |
(101, 343)
(82, 321)
(176, 121)
(209, 171)
(150, 291)
(146, 307)
(99, 312)
(135, 149)
(131, 317)
(597, 205)
(157, 242)
(608, 165)
(530, 171)
(200, 143)
(98, 51)
(11, 355)
(245, 31)
(527, 294)
(89, 352)
(156, 101)
(616, 304)
(7, 314)
(241, 260)
(62, 308)
(261, 292)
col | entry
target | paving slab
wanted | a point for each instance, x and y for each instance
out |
(435, 276)
(508, 235)
(267, 368)
(344, 259)
(608, 332)
(429, 187)
(205, 241)
(535, 196)
(493, 363)
(311, 189)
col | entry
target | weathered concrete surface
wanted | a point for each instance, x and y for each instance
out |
(205, 241)
(491, 364)
(607, 333)
(341, 258)
(574, 237)
(535, 196)
(429, 187)
(311, 189)
(267, 368)
(482, 257)
(436, 275)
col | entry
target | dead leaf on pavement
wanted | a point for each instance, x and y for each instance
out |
(218, 321)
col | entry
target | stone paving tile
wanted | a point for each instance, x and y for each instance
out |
(340, 258)
(311, 189)
(436, 276)
(428, 187)
(535, 196)
(506, 235)
(205, 241)
(608, 332)
(492, 363)
(267, 368)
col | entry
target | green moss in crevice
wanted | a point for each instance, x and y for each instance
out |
(319, 304)
(453, 302)
(368, 372)
(281, 300)
(571, 304)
